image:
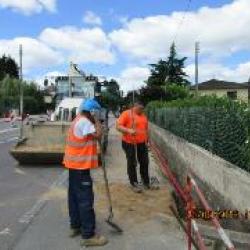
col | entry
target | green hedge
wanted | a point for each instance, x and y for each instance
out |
(216, 124)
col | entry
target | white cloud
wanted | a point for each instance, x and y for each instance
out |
(91, 18)
(240, 73)
(35, 53)
(58, 46)
(221, 31)
(29, 6)
(132, 78)
(80, 45)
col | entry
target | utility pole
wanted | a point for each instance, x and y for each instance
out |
(248, 87)
(21, 88)
(197, 50)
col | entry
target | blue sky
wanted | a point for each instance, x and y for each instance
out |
(119, 38)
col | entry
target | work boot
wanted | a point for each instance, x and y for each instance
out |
(136, 188)
(74, 232)
(96, 240)
(151, 187)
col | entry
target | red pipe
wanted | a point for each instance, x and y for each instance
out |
(198, 235)
(189, 228)
(215, 221)
(166, 170)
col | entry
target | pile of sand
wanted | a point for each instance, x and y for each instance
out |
(131, 206)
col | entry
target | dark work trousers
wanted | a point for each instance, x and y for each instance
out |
(142, 156)
(81, 202)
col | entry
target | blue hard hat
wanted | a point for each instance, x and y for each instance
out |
(89, 105)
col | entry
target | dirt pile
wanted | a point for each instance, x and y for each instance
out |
(131, 206)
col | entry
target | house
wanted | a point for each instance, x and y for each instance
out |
(235, 91)
(75, 84)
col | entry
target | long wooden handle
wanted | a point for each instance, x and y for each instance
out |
(105, 177)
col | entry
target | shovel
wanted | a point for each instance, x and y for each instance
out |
(109, 220)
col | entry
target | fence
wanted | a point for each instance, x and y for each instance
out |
(184, 193)
(222, 131)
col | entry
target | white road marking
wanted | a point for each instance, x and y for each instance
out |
(27, 217)
(30, 214)
(9, 140)
(6, 231)
(5, 132)
(19, 171)
(8, 130)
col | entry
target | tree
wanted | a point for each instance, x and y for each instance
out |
(9, 96)
(111, 97)
(129, 98)
(151, 93)
(8, 66)
(159, 73)
(170, 71)
(156, 93)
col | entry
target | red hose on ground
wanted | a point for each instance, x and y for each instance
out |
(215, 221)
(186, 198)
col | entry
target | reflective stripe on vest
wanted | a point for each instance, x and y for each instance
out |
(80, 144)
(77, 158)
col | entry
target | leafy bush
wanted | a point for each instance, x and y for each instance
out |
(176, 92)
(169, 92)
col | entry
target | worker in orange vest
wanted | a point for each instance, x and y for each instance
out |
(80, 157)
(133, 124)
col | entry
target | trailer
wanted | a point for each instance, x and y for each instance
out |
(43, 142)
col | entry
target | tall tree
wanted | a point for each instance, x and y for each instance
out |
(151, 93)
(169, 71)
(8, 66)
(112, 95)
(9, 96)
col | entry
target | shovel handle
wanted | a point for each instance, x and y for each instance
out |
(105, 177)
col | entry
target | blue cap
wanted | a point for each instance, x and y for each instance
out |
(89, 105)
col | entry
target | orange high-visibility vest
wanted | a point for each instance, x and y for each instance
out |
(129, 119)
(80, 153)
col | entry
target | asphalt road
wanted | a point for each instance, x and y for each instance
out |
(21, 190)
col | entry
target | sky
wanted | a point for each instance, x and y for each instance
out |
(118, 38)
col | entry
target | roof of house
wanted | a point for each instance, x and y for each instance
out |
(217, 84)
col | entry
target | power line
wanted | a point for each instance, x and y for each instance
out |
(179, 27)
(182, 20)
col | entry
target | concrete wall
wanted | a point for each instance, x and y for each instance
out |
(242, 94)
(225, 185)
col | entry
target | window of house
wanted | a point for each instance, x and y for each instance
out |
(232, 95)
